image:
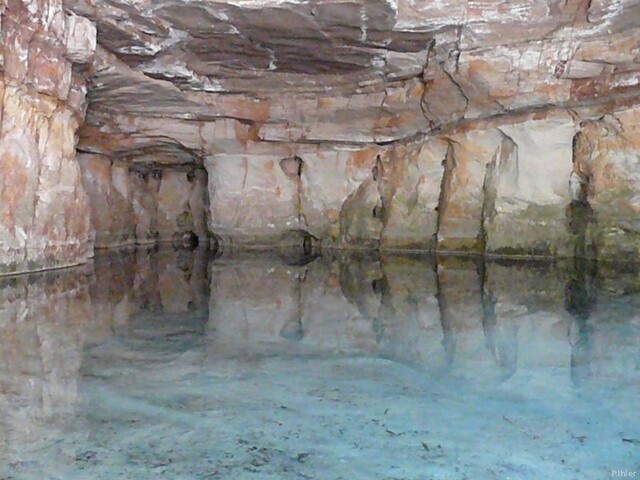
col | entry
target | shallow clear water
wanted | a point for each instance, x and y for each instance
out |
(272, 365)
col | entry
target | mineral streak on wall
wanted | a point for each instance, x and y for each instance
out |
(508, 129)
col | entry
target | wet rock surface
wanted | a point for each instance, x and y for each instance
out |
(283, 365)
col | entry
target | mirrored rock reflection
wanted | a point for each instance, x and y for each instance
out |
(140, 320)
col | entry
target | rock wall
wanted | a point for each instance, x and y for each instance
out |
(456, 126)
(43, 209)
(183, 205)
(607, 178)
(452, 129)
(502, 190)
(142, 204)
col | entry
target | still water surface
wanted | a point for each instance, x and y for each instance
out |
(175, 364)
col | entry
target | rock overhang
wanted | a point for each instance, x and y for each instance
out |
(358, 71)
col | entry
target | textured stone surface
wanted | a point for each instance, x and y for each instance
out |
(107, 186)
(251, 196)
(143, 205)
(343, 65)
(43, 209)
(80, 39)
(526, 188)
(607, 163)
(463, 111)
(466, 111)
(43, 206)
(414, 174)
(505, 190)
(181, 205)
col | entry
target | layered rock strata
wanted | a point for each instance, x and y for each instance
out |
(394, 125)
(44, 219)
(508, 129)
(138, 205)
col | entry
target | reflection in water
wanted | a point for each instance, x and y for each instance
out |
(580, 302)
(447, 321)
(580, 296)
(104, 362)
(501, 342)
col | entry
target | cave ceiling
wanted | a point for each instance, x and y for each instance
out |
(197, 78)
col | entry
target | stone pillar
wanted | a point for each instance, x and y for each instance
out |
(44, 212)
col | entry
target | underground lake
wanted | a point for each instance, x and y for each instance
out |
(189, 364)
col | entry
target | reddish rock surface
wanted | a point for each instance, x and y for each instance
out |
(466, 113)
(44, 219)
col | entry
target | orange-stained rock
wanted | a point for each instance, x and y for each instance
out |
(44, 210)
(404, 124)
(460, 211)
(139, 204)
(108, 187)
(607, 153)
(414, 174)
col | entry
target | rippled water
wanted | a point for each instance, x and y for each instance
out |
(273, 365)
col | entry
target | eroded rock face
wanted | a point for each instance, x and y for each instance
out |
(368, 124)
(422, 126)
(526, 188)
(138, 205)
(44, 218)
(504, 190)
(607, 167)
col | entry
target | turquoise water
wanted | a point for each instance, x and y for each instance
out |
(275, 365)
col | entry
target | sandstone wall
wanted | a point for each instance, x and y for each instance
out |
(446, 126)
(44, 220)
(504, 189)
(508, 130)
(141, 204)
(607, 174)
